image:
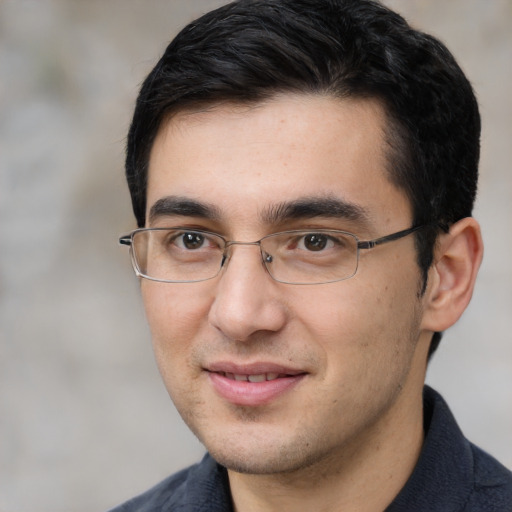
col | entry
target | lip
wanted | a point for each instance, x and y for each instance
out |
(252, 394)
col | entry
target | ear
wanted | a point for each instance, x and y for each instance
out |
(457, 258)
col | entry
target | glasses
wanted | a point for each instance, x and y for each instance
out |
(181, 255)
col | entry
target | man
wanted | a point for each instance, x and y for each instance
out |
(303, 174)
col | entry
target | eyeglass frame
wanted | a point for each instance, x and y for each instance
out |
(360, 245)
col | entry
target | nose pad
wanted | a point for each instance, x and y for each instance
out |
(267, 258)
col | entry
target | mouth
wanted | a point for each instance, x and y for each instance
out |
(261, 377)
(253, 385)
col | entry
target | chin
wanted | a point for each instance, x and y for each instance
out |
(267, 456)
(260, 465)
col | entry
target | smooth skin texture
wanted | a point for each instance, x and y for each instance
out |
(346, 433)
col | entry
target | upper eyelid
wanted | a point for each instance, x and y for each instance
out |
(180, 231)
(294, 232)
(313, 231)
(337, 236)
(329, 225)
(185, 229)
(205, 234)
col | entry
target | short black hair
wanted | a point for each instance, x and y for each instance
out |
(250, 50)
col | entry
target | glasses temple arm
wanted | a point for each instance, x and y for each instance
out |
(369, 244)
(125, 240)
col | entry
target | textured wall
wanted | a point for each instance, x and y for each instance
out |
(84, 420)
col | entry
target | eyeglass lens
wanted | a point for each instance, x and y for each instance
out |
(295, 257)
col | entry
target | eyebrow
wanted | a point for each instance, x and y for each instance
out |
(311, 207)
(298, 209)
(183, 207)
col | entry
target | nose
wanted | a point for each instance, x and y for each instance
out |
(247, 300)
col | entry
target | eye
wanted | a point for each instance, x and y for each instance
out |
(190, 240)
(315, 242)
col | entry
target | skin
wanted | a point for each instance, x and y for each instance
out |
(347, 433)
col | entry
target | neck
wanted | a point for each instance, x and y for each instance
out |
(363, 477)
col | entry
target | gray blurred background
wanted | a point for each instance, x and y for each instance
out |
(84, 421)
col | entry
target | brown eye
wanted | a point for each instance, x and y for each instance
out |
(315, 242)
(190, 241)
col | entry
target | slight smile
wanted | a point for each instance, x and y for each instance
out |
(253, 385)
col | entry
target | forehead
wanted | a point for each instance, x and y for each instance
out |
(245, 159)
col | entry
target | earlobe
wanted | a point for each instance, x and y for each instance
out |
(457, 258)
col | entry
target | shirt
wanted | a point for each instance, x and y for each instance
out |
(451, 475)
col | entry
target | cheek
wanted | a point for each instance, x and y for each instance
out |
(340, 314)
(177, 317)
(176, 314)
(361, 327)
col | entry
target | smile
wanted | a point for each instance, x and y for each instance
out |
(262, 377)
(252, 386)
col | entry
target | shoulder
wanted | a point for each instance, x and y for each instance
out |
(481, 482)
(492, 484)
(452, 474)
(201, 487)
(156, 497)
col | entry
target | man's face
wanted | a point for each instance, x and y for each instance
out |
(341, 363)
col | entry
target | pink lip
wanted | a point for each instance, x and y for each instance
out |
(252, 393)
